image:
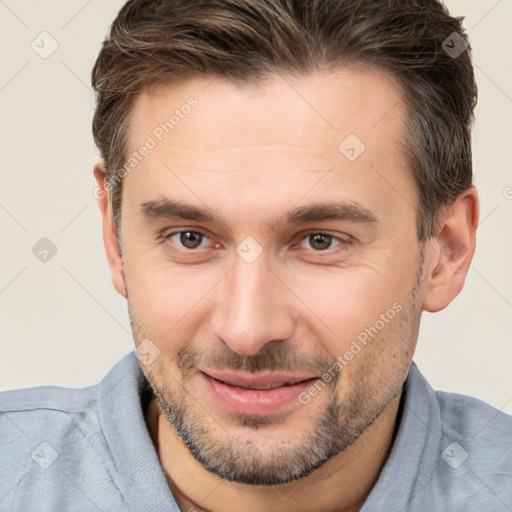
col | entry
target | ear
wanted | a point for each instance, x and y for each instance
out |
(454, 248)
(110, 235)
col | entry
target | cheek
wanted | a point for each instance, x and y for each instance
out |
(168, 300)
(378, 358)
(345, 302)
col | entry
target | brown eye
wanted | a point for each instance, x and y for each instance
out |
(188, 239)
(191, 239)
(320, 242)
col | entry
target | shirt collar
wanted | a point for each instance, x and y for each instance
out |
(410, 464)
(407, 470)
(141, 478)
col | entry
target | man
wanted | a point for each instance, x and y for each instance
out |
(285, 186)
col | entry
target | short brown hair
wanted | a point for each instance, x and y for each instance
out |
(163, 41)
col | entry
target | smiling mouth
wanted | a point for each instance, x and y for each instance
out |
(260, 381)
(265, 387)
(253, 394)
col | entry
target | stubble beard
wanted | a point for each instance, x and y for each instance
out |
(253, 459)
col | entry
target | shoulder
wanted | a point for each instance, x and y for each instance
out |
(481, 430)
(46, 400)
(57, 401)
(29, 412)
(475, 451)
(52, 436)
(35, 409)
(473, 418)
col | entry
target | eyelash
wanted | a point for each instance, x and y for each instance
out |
(342, 243)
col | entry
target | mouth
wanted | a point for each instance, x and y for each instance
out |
(261, 381)
(262, 387)
(256, 395)
(265, 386)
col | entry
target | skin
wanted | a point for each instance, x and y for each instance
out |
(250, 154)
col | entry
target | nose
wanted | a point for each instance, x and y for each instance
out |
(253, 307)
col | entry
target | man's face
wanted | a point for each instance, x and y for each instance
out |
(267, 290)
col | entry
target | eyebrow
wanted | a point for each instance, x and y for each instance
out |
(340, 211)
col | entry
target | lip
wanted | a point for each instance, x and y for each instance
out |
(236, 392)
(252, 380)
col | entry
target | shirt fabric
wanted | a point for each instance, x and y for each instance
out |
(88, 449)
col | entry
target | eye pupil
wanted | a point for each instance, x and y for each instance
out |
(191, 239)
(320, 241)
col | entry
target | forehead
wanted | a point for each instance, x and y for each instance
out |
(283, 132)
(315, 111)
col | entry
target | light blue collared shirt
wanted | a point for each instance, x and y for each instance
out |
(64, 449)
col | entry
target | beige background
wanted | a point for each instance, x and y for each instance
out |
(62, 322)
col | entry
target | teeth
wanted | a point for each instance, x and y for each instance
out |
(269, 386)
(262, 388)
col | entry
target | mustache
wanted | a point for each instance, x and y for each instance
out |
(269, 358)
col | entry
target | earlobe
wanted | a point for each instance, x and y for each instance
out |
(455, 246)
(110, 235)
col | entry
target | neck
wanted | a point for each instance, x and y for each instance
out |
(341, 484)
